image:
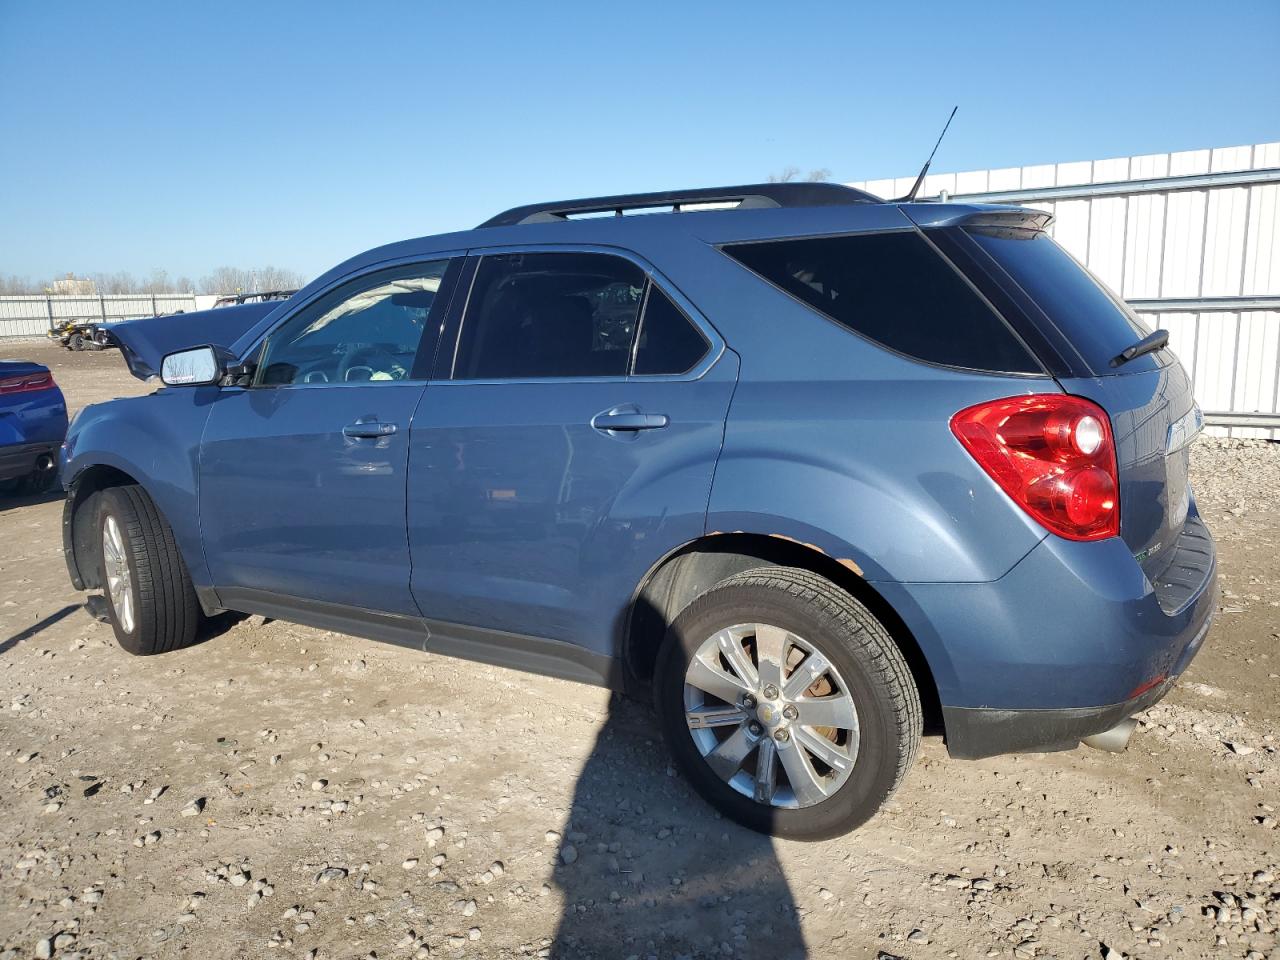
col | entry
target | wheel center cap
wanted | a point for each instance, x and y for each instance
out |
(770, 714)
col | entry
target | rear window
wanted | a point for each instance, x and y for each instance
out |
(895, 289)
(1091, 317)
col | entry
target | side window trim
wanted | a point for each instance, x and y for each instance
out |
(451, 337)
(254, 350)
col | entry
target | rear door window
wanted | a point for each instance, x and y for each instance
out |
(1097, 323)
(669, 342)
(540, 315)
(894, 289)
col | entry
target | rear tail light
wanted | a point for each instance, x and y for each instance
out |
(27, 383)
(1054, 455)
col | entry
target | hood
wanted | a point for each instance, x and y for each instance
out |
(145, 343)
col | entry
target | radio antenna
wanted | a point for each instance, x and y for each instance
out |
(915, 187)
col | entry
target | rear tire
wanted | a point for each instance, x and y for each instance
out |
(863, 684)
(76, 342)
(150, 597)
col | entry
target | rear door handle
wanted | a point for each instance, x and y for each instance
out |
(368, 429)
(629, 420)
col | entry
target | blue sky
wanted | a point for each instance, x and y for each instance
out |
(186, 135)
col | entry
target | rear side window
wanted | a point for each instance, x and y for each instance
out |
(669, 342)
(895, 289)
(538, 315)
(1094, 319)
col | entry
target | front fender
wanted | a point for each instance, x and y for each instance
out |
(154, 440)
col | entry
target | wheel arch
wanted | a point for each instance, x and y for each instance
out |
(78, 527)
(688, 571)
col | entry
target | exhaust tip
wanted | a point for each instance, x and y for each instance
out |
(1114, 740)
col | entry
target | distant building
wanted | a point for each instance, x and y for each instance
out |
(71, 285)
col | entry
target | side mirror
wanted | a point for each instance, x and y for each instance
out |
(191, 368)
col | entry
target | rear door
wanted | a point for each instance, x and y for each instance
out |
(302, 474)
(1149, 398)
(559, 455)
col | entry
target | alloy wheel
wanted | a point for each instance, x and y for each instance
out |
(771, 715)
(119, 581)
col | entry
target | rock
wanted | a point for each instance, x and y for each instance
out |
(568, 853)
(44, 949)
(1239, 748)
(329, 874)
(410, 863)
(917, 936)
(553, 836)
(319, 784)
(194, 808)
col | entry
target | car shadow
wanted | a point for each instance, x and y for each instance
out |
(37, 627)
(648, 869)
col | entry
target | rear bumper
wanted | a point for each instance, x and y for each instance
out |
(976, 732)
(19, 460)
(1072, 640)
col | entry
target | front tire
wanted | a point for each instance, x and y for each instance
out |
(747, 664)
(150, 598)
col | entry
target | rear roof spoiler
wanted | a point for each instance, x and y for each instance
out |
(970, 215)
(756, 195)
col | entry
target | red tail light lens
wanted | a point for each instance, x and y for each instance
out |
(1054, 455)
(28, 383)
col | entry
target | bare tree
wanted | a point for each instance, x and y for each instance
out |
(789, 174)
(12, 285)
(227, 280)
(223, 280)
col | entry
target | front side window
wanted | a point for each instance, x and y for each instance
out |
(367, 331)
(895, 289)
(539, 315)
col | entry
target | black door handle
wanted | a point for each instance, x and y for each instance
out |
(368, 430)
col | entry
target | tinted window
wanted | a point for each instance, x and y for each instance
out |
(669, 342)
(367, 330)
(895, 289)
(1095, 320)
(536, 315)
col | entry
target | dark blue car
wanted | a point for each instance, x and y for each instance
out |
(33, 421)
(810, 469)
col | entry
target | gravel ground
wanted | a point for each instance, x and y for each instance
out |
(279, 791)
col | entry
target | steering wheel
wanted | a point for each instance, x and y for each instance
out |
(363, 361)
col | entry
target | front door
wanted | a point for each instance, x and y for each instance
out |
(564, 455)
(302, 474)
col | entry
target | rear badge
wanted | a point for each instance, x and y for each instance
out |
(1143, 555)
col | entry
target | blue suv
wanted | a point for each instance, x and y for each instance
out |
(815, 471)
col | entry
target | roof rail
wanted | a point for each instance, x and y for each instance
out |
(754, 195)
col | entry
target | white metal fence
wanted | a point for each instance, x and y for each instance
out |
(33, 316)
(1191, 240)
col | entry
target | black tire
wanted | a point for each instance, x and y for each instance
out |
(851, 639)
(167, 614)
(76, 342)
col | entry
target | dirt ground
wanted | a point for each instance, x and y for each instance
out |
(279, 791)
